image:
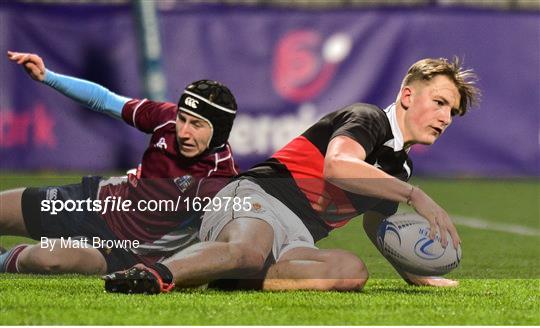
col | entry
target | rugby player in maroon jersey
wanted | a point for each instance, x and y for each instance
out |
(187, 156)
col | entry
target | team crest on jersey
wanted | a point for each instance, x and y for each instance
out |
(162, 144)
(257, 208)
(183, 183)
(52, 194)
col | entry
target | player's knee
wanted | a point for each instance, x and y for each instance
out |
(40, 260)
(342, 285)
(246, 258)
(350, 284)
(354, 278)
(349, 272)
(357, 269)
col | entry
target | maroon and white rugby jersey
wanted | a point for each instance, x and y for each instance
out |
(164, 174)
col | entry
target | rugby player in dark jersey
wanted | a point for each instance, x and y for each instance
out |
(353, 161)
(188, 156)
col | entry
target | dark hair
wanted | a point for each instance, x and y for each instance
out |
(465, 80)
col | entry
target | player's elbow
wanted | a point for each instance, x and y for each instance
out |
(332, 166)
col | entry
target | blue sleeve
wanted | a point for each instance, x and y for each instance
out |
(87, 93)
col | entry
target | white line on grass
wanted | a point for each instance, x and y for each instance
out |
(486, 225)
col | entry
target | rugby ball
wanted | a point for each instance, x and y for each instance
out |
(404, 240)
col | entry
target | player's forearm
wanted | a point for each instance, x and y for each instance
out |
(89, 94)
(359, 177)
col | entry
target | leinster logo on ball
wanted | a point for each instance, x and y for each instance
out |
(183, 183)
(425, 249)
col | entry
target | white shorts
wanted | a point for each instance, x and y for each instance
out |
(289, 231)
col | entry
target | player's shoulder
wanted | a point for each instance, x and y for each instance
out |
(162, 106)
(162, 113)
(147, 115)
(359, 113)
(363, 109)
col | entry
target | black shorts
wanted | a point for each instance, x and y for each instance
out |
(75, 224)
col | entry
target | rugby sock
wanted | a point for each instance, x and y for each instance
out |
(8, 260)
(164, 272)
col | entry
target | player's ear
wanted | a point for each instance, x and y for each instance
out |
(405, 97)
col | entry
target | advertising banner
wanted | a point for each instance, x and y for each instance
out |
(287, 69)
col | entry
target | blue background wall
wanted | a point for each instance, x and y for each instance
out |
(287, 69)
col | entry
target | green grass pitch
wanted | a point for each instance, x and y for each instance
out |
(499, 278)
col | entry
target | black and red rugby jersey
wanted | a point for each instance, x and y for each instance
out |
(294, 174)
(164, 174)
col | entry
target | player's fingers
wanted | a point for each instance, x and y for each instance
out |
(443, 230)
(432, 228)
(443, 233)
(455, 236)
(28, 58)
(33, 69)
(14, 55)
(437, 230)
(19, 58)
(22, 58)
(30, 66)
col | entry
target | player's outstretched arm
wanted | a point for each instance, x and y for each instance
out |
(89, 94)
(344, 166)
(371, 222)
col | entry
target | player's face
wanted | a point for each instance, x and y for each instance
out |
(430, 107)
(193, 134)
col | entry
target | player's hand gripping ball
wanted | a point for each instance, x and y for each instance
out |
(404, 240)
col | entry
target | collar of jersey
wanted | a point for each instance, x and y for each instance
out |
(397, 142)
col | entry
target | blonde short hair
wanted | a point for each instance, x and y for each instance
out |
(464, 79)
